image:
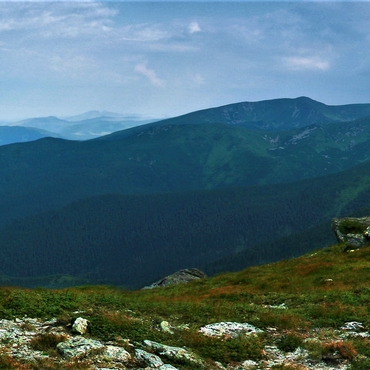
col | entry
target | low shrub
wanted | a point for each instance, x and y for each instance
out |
(345, 349)
(289, 342)
(226, 350)
(47, 342)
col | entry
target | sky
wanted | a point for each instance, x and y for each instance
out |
(162, 59)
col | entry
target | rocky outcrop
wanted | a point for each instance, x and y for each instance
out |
(151, 361)
(17, 339)
(229, 330)
(78, 347)
(176, 354)
(179, 277)
(352, 231)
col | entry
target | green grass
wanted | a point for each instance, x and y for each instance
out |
(321, 290)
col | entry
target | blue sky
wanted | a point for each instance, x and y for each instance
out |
(162, 59)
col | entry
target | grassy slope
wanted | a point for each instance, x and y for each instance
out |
(321, 291)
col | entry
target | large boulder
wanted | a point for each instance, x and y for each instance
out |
(179, 277)
(354, 232)
(229, 330)
(80, 325)
(78, 347)
(176, 354)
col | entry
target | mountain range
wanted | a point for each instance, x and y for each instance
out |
(85, 126)
(218, 189)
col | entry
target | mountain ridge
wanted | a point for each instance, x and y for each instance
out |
(166, 165)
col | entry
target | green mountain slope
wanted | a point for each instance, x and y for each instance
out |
(48, 173)
(274, 115)
(17, 134)
(134, 240)
(310, 312)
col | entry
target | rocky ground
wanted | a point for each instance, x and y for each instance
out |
(33, 344)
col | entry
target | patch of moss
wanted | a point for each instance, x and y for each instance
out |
(351, 227)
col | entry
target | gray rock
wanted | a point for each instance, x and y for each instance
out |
(78, 347)
(353, 326)
(229, 329)
(249, 364)
(176, 354)
(148, 359)
(166, 327)
(354, 237)
(80, 325)
(115, 353)
(179, 277)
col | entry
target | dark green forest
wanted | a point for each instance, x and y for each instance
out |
(213, 189)
(133, 240)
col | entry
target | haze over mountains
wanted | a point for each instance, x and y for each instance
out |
(81, 127)
(218, 189)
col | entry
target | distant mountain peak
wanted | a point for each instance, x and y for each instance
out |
(92, 114)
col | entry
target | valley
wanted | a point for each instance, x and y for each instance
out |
(219, 189)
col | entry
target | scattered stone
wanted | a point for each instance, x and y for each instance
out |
(115, 353)
(148, 359)
(167, 366)
(353, 326)
(78, 347)
(16, 336)
(166, 327)
(249, 364)
(179, 277)
(176, 354)
(282, 306)
(80, 326)
(229, 329)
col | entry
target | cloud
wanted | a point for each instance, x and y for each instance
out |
(149, 73)
(52, 19)
(143, 33)
(306, 63)
(194, 27)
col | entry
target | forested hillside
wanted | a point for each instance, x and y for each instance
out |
(133, 240)
(133, 206)
(48, 173)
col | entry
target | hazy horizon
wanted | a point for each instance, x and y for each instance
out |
(163, 59)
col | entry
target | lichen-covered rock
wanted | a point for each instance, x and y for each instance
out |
(166, 327)
(353, 326)
(355, 241)
(229, 329)
(144, 357)
(176, 354)
(351, 231)
(115, 353)
(179, 277)
(78, 347)
(80, 325)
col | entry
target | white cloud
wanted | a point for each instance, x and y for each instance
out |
(149, 73)
(175, 47)
(194, 27)
(306, 63)
(143, 33)
(55, 18)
